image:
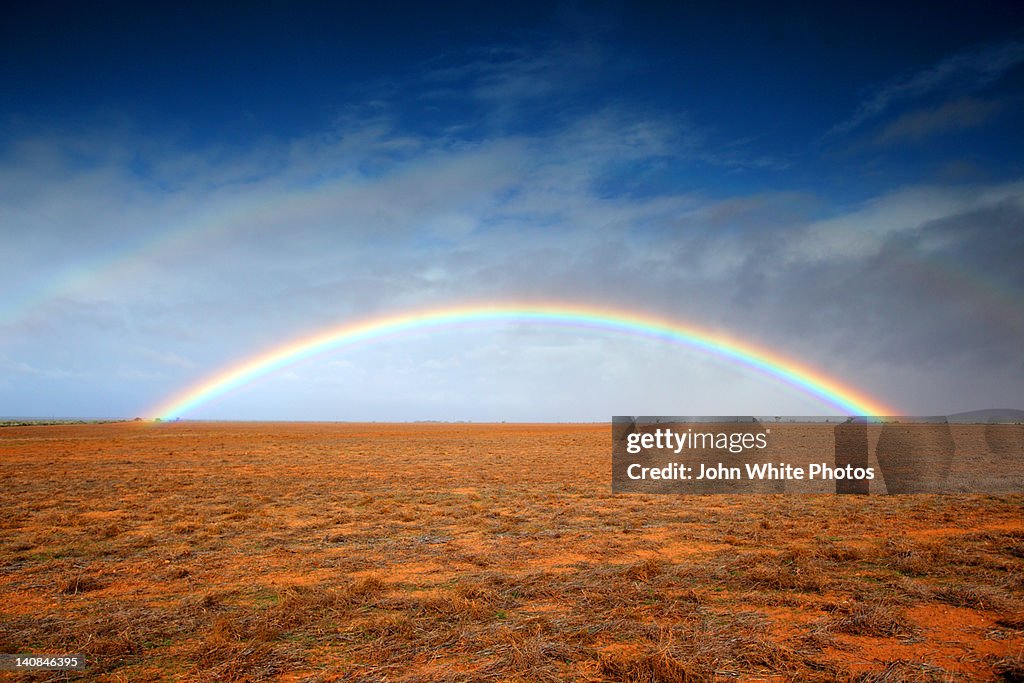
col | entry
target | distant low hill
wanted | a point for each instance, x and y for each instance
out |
(990, 415)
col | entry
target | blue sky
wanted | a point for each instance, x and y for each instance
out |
(181, 187)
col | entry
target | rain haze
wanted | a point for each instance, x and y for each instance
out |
(184, 188)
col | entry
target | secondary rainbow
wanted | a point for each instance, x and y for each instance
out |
(832, 392)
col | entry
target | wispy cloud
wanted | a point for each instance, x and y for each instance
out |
(27, 369)
(968, 70)
(920, 124)
(515, 74)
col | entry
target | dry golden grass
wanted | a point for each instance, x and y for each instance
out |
(345, 552)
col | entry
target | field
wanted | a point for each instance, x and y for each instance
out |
(437, 552)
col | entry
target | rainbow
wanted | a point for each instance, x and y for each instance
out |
(832, 392)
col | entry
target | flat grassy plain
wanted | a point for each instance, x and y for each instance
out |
(439, 552)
